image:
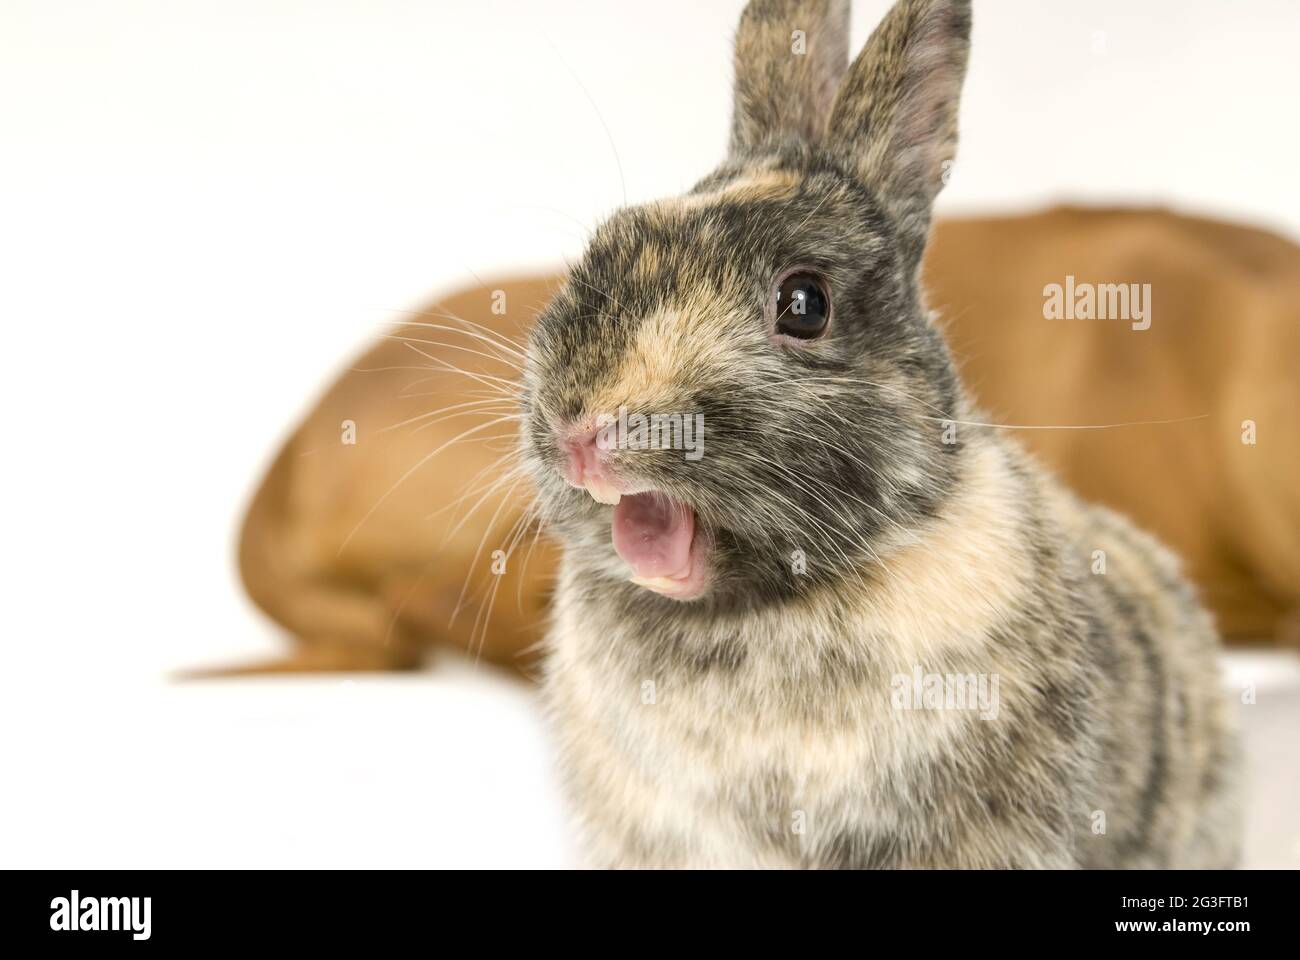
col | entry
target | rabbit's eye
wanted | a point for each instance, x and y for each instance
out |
(802, 306)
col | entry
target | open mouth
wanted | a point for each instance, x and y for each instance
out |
(657, 537)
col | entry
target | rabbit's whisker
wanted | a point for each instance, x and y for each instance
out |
(442, 410)
(400, 480)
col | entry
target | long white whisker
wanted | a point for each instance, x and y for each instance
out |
(470, 333)
(1070, 426)
(484, 378)
(452, 346)
(433, 413)
(400, 480)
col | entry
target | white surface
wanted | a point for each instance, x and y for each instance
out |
(205, 207)
(447, 769)
(444, 769)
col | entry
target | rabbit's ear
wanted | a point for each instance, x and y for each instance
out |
(895, 116)
(790, 56)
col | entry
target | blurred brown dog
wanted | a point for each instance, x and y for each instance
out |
(391, 522)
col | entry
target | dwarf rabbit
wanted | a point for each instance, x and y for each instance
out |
(812, 610)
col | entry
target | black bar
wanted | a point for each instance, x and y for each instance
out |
(338, 908)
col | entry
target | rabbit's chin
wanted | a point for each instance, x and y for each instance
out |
(660, 541)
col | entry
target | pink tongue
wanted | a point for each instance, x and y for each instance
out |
(653, 534)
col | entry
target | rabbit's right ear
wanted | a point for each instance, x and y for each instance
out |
(790, 56)
(895, 116)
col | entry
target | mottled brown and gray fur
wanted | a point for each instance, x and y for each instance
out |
(757, 725)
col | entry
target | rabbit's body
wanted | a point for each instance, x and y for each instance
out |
(766, 652)
(776, 736)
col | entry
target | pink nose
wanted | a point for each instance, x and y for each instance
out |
(583, 456)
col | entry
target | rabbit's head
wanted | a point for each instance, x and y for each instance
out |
(738, 394)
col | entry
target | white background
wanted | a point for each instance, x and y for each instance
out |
(205, 208)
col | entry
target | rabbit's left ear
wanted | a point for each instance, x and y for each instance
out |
(790, 56)
(895, 117)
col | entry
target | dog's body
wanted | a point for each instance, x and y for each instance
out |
(1224, 335)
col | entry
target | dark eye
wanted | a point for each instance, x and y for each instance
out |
(802, 306)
